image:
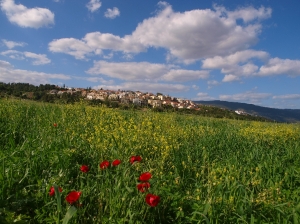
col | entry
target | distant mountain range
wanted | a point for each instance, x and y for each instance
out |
(280, 115)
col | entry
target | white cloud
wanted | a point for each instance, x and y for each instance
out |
(9, 74)
(239, 64)
(37, 59)
(277, 66)
(147, 87)
(97, 40)
(112, 13)
(247, 97)
(219, 62)
(288, 97)
(181, 75)
(236, 65)
(13, 54)
(247, 14)
(129, 70)
(5, 65)
(198, 34)
(93, 44)
(240, 70)
(11, 44)
(146, 71)
(71, 46)
(230, 78)
(93, 5)
(203, 96)
(25, 17)
(187, 36)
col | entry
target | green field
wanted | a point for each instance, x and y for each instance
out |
(204, 170)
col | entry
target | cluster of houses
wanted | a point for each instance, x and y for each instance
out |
(135, 97)
(240, 112)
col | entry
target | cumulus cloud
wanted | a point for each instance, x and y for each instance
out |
(247, 14)
(230, 78)
(236, 65)
(37, 59)
(198, 34)
(112, 13)
(97, 40)
(187, 36)
(27, 17)
(147, 87)
(9, 74)
(12, 44)
(240, 64)
(239, 71)
(129, 70)
(93, 5)
(5, 65)
(219, 62)
(71, 46)
(277, 66)
(13, 54)
(93, 44)
(236, 72)
(181, 75)
(146, 71)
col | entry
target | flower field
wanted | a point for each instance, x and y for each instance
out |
(82, 164)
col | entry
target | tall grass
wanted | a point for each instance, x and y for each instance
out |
(204, 170)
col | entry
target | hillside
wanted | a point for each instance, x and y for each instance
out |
(112, 161)
(117, 99)
(280, 115)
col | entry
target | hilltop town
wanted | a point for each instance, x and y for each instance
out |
(122, 99)
(129, 97)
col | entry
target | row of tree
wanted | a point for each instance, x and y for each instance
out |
(38, 93)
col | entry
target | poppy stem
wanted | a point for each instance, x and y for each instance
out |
(159, 216)
(58, 217)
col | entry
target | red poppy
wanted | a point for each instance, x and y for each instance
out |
(145, 176)
(73, 196)
(152, 200)
(52, 191)
(142, 187)
(84, 168)
(116, 162)
(135, 159)
(55, 125)
(104, 164)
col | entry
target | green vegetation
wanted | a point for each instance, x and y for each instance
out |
(204, 170)
(49, 93)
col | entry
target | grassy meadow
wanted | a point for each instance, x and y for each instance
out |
(204, 170)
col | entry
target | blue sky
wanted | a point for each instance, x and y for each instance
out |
(239, 50)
